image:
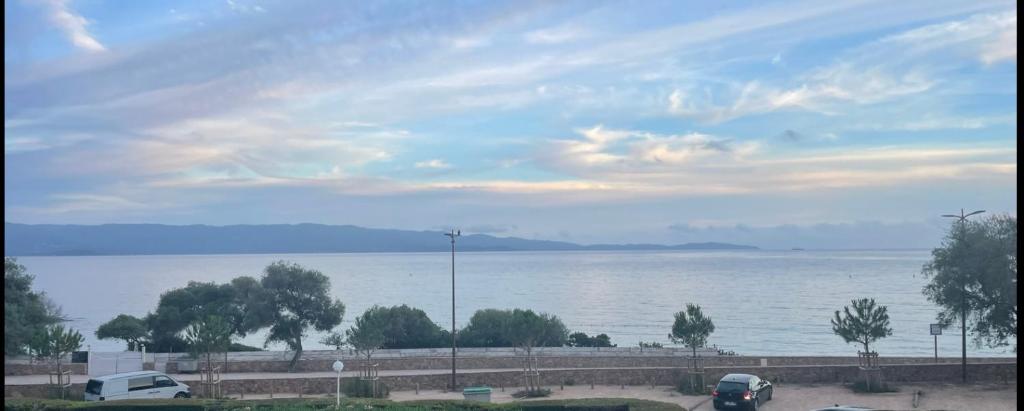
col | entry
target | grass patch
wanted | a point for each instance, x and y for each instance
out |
(299, 404)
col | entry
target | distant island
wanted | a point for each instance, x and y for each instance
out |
(142, 239)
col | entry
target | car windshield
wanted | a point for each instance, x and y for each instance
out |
(727, 386)
(94, 387)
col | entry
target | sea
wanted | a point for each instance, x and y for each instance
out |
(762, 302)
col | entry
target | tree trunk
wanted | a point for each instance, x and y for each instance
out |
(298, 353)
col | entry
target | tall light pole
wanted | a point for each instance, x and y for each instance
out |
(963, 297)
(453, 234)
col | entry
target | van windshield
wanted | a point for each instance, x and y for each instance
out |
(94, 387)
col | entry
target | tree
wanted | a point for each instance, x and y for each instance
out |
(124, 327)
(974, 271)
(651, 344)
(207, 336)
(866, 324)
(26, 313)
(692, 328)
(299, 299)
(367, 335)
(527, 330)
(181, 307)
(53, 343)
(581, 339)
(405, 327)
(486, 328)
(334, 339)
(490, 328)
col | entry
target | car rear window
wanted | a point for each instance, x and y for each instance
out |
(94, 387)
(729, 386)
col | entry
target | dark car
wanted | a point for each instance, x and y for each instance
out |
(742, 391)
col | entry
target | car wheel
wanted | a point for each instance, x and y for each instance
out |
(754, 405)
(180, 395)
(771, 391)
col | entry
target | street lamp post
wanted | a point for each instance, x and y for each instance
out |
(453, 234)
(963, 299)
(338, 366)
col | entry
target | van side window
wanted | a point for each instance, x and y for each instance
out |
(162, 381)
(140, 383)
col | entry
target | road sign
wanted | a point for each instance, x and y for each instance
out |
(936, 329)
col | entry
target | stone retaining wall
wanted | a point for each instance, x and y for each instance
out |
(42, 369)
(435, 363)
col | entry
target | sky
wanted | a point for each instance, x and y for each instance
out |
(813, 124)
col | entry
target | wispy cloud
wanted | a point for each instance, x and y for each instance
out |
(436, 164)
(73, 25)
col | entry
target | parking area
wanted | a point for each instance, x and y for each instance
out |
(792, 397)
(990, 397)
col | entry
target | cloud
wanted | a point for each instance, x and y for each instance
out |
(911, 62)
(239, 6)
(73, 25)
(554, 35)
(436, 164)
(853, 235)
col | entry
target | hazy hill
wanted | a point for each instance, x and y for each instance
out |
(128, 239)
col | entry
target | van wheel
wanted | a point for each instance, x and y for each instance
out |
(180, 395)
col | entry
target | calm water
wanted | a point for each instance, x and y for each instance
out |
(762, 302)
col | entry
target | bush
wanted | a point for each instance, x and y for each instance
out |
(537, 393)
(691, 384)
(357, 388)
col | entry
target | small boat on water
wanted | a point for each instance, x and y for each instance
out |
(798, 249)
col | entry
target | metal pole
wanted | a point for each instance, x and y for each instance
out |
(337, 395)
(963, 298)
(936, 348)
(453, 234)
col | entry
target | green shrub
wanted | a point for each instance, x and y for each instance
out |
(691, 384)
(357, 388)
(536, 393)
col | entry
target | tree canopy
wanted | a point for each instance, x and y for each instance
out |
(866, 324)
(404, 327)
(978, 258)
(692, 328)
(581, 339)
(54, 342)
(26, 312)
(125, 327)
(367, 334)
(506, 328)
(299, 299)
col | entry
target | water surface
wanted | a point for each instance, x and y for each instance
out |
(762, 302)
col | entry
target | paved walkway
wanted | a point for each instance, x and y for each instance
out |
(981, 397)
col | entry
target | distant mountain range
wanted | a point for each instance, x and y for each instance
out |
(136, 239)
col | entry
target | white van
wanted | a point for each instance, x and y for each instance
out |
(135, 385)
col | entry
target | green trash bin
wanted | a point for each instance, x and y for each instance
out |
(482, 394)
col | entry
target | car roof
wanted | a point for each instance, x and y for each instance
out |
(737, 378)
(127, 374)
